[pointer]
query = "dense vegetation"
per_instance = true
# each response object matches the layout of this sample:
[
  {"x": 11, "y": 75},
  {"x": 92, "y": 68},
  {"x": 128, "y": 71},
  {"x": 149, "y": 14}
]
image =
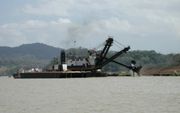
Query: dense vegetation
[
  {"x": 26, "y": 56},
  {"x": 148, "y": 59},
  {"x": 40, "y": 55}
]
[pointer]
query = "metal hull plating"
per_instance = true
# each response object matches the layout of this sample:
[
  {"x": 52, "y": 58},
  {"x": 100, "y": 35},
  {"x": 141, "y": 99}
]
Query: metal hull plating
[{"x": 59, "y": 74}]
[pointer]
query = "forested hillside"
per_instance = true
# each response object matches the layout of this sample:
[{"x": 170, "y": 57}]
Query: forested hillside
[
  {"x": 41, "y": 55},
  {"x": 26, "y": 56}
]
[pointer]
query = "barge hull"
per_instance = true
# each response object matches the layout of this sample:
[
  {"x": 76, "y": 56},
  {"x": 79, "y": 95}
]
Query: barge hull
[{"x": 59, "y": 75}]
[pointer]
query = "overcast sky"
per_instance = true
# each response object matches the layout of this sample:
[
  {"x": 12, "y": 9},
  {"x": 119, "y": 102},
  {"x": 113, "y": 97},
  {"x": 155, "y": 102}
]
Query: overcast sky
[{"x": 142, "y": 24}]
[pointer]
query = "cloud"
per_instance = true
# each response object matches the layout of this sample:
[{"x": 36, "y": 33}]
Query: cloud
[
  {"x": 89, "y": 22},
  {"x": 142, "y": 14},
  {"x": 10, "y": 36},
  {"x": 50, "y": 8},
  {"x": 32, "y": 31},
  {"x": 64, "y": 31}
]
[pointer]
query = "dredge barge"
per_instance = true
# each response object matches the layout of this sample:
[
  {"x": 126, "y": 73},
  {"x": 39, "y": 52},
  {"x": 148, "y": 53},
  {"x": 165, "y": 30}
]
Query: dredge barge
[{"x": 84, "y": 67}]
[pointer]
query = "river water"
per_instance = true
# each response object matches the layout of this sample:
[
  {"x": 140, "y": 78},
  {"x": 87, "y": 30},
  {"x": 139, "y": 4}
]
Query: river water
[{"x": 90, "y": 95}]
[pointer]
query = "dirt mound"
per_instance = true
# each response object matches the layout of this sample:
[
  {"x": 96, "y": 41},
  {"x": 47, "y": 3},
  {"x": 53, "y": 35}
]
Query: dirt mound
[{"x": 161, "y": 71}]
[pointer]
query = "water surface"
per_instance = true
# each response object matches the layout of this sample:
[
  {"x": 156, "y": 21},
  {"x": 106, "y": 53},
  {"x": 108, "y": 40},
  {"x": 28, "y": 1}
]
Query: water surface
[{"x": 91, "y": 95}]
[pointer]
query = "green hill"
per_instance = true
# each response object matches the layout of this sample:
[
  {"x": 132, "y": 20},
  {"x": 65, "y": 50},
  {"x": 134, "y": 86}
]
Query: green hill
[
  {"x": 40, "y": 55},
  {"x": 26, "y": 55}
]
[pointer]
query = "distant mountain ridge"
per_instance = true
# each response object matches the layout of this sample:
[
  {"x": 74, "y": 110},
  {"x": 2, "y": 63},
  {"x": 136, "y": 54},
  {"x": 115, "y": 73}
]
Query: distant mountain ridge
[{"x": 38, "y": 50}]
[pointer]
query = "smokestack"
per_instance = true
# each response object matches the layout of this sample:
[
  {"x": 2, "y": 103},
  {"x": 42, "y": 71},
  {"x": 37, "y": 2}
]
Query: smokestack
[{"x": 62, "y": 57}]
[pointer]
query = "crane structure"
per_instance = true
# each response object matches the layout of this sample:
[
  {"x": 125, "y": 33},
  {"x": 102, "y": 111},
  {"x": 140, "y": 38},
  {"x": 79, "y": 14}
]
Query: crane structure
[{"x": 102, "y": 59}]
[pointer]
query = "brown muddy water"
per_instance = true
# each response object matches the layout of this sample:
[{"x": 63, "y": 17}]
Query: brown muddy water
[{"x": 90, "y": 95}]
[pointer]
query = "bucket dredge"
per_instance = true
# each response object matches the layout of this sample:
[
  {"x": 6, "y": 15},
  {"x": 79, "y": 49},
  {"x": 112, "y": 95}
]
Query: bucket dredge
[{"x": 81, "y": 67}]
